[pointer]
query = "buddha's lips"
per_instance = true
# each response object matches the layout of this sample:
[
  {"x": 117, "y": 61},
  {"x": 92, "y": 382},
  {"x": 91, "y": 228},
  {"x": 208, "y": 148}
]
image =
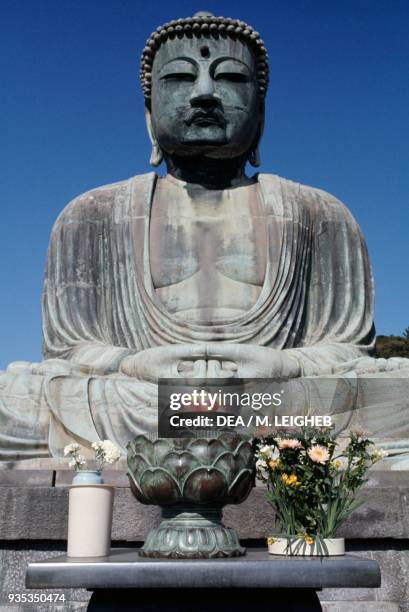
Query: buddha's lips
[{"x": 205, "y": 118}]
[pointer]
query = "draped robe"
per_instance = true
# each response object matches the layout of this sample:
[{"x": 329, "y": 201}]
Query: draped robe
[{"x": 100, "y": 305}]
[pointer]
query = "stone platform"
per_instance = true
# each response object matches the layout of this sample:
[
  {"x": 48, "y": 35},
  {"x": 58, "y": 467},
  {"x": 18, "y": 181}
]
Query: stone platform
[
  {"x": 33, "y": 526},
  {"x": 294, "y": 580}
]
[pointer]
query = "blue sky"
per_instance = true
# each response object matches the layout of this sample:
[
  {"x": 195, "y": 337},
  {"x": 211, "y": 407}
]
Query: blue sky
[{"x": 72, "y": 118}]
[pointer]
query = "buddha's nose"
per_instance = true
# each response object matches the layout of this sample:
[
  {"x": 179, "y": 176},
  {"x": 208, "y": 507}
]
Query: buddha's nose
[{"x": 203, "y": 93}]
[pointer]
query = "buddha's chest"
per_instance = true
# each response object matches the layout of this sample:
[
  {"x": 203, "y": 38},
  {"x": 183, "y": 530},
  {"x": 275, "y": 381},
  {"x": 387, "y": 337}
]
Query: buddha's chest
[
  {"x": 180, "y": 248},
  {"x": 208, "y": 252},
  {"x": 218, "y": 234}
]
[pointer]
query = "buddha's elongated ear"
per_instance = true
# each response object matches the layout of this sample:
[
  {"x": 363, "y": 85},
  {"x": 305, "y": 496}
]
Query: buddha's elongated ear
[
  {"x": 254, "y": 153},
  {"x": 157, "y": 154},
  {"x": 254, "y": 157}
]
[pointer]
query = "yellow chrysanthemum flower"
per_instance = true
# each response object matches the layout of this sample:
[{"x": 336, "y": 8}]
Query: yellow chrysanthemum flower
[{"x": 289, "y": 480}]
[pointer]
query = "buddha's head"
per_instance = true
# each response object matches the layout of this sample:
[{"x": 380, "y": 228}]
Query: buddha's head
[{"x": 204, "y": 81}]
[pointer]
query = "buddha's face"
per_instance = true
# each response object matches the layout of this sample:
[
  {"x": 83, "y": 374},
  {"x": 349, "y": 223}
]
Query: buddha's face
[{"x": 205, "y": 97}]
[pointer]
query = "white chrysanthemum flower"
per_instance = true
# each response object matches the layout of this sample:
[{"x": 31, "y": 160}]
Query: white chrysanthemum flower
[
  {"x": 267, "y": 450},
  {"x": 261, "y": 467},
  {"x": 291, "y": 443},
  {"x": 106, "y": 452},
  {"x": 111, "y": 452},
  {"x": 318, "y": 454},
  {"x": 107, "y": 445},
  {"x": 338, "y": 464},
  {"x": 71, "y": 449},
  {"x": 113, "y": 456},
  {"x": 378, "y": 454}
]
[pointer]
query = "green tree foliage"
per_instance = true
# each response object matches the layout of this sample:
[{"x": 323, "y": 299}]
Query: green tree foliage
[{"x": 392, "y": 346}]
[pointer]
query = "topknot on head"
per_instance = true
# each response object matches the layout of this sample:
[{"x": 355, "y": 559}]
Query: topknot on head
[{"x": 203, "y": 14}]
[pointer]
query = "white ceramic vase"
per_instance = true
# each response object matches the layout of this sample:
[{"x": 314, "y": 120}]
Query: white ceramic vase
[
  {"x": 90, "y": 520},
  {"x": 281, "y": 546}
]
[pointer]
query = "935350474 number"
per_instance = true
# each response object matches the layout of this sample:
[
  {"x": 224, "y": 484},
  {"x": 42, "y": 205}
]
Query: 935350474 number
[{"x": 36, "y": 597}]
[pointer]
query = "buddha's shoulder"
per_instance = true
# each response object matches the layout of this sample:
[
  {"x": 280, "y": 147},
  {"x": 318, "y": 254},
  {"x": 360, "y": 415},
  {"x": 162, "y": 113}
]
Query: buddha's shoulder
[
  {"x": 315, "y": 200},
  {"x": 98, "y": 203}
]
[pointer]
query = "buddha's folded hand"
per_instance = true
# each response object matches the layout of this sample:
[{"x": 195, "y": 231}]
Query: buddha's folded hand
[
  {"x": 212, "y": 360},
  {"x": 165, "y": 362},
  {"x": 252, "y": 361}
]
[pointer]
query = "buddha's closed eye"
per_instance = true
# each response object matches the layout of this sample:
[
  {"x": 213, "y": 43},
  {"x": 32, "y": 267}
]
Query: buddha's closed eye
[
  {"x": 233, "y": 77},
  {"x": 179, "y": 76}
]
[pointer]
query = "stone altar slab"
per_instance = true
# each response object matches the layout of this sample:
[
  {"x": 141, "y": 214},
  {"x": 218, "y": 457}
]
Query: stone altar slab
[{"x": 124, "y": 569}]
